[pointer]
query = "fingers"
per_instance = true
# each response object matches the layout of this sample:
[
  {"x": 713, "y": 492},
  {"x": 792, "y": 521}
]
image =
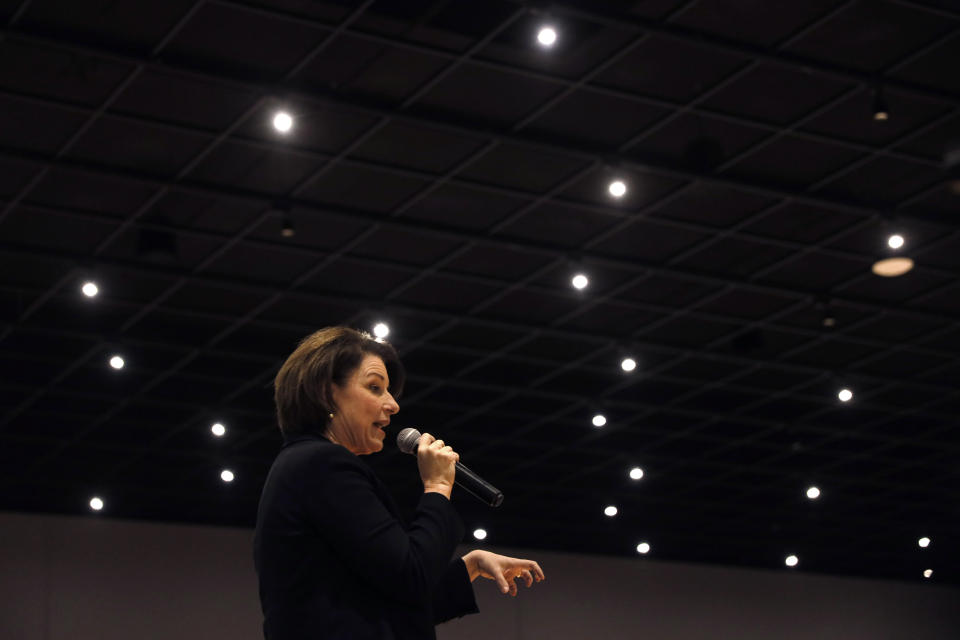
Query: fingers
[
  {"x": 428, "y": 441},
  {"x": 444, "y": 448},
  {"x": 489, "y": 567},
  {"x": 507, "y": 571},
  {"x": 527, "y": 576},
  {"x": 531, "y": 568},
  {"x": 536, "y": 571},
  {"x": 447, "y": 451},
  {"x": 528, "y": 571}
]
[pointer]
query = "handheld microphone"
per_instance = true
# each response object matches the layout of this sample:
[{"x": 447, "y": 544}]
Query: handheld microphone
[{"x": 473, "y": 484}]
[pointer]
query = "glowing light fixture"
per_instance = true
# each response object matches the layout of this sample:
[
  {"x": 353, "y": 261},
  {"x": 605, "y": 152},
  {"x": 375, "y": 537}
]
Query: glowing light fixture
[
  {"x": 845, "y": 395},
  {"x": 381, "y": 330},
  {"x": 924, "y": 542},
  {"x": 892, "y": 267},
  {"x": 547, "y": 36},
  {"x": 881, "y": 112},
  {"x": 96, "y": 503},
  {"x": 610, "y": 511},
  {"x": 579, "y": 281},
  {"x": 599, "y": 420},
  {"x": 90, "y": 289},
  {"x": 617, "y": 188},
  {"x": 628, "y": 364},
  {"x": 792, "y": 561},
  {"x": 480, "y": 534},
  {"x": 636, "y": 473},
  {"x": 286, "y": 228},
  {"x": 226, "y": 475},
  {"x": 643, "y": 547},
  {"x": 895, "y": 241},
  {"x": 282, "y": 122},
  {"x": 218, "y": 429},
  {"x": 116, "y": 362},
  {"x": 813, "y": 493}
]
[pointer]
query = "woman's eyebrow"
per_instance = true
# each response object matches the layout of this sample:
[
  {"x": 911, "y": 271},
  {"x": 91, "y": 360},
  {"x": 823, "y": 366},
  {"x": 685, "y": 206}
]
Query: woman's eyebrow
[{"x": 374, "y": 373}]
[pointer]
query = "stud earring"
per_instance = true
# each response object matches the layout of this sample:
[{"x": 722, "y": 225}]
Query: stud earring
[{"x": 331, "y": 415}]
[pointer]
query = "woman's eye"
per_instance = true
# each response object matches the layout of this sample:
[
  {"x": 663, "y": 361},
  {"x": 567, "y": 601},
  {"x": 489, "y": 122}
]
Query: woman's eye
[{"x": 375, "y": 387}]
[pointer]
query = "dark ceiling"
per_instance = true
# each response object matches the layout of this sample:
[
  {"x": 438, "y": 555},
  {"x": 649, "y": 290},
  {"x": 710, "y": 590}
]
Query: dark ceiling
[{"x": 448, "y": 175}]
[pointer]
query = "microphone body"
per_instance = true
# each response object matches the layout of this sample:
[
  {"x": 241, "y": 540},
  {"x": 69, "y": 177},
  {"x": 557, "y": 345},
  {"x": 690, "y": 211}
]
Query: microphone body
[
  {"x": 480, "y": 488},
  {"x": 465, "y": 478}
]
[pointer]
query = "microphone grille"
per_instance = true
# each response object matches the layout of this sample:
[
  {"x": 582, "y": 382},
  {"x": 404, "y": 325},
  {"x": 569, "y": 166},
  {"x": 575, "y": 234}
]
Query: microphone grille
[{"x": 407, "y": 440}]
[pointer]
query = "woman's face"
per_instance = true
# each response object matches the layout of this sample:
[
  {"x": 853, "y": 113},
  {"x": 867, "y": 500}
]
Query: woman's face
[{"x": 364, "y": 407}]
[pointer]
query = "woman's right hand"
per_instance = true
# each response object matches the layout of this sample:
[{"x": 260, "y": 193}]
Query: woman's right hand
[{"x": 437, "y": 464}]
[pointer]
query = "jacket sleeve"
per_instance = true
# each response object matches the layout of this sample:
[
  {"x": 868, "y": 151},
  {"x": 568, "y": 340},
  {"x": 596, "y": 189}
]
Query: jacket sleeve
[
  {"x": 341, "y": 502},
  {"x": 453, "y": 597}
]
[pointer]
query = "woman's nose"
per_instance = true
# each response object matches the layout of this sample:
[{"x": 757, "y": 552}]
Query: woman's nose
[{"x": 391, "y": 406}]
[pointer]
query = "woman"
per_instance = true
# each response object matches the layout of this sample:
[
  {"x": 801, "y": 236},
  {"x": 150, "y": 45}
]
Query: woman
[{"x": 333, "y": 559}]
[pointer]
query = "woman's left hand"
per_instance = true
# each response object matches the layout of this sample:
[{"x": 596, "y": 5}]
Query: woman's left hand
[{"x": 503, "y": 569}]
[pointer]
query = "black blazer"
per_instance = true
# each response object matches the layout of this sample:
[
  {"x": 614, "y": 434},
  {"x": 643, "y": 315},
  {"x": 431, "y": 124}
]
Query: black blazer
[{"x": 334, "y": 560}]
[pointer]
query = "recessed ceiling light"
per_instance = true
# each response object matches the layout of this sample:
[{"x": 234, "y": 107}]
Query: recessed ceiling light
[
  {"x": 96, "y": 504},
  {"x": 792, "y": 561},
  {"x": 599, "y": 420},
  {"x": 892, "y": 267},
  {"x": 282, "y": 122},
  {"x": 924, "y": 542},
  {"x": 90, "y": 289},
  {"x": 579, "y": 281},
  {"x": 286, "y": 227},
  {"x": 116, "y": 362},
  {"x": 636, "y": 473},
  {"x": 928, "y": 573},
  {"x": 813, "y": 493},
  {"x": 480, "y": 534},
  {"x": 881, "y": 112},
  {"x": 628, "y": 364},
  {"x": 617, "y": 188},
  {"x": 610, "y": 511},
  {"x": 226, "y": 475},
  {"x": 381, "y": 330},
  {"x": 895, "y": 241},
  {"x": 218, "y": 429},
  {"x": 643, "y": 547},
  {"x": 547, "y": 36},
  {"x": 845, "y": 395}
]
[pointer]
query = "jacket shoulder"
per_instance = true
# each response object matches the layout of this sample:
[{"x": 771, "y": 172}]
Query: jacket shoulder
[
  {"x": 317, "y": 458},
  {"x": 317, "y": 452}
]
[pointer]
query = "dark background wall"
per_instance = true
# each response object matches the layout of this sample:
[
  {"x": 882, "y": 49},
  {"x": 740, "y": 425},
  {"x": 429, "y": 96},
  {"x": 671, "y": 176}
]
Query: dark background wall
[{"x": 93, "y": 578}]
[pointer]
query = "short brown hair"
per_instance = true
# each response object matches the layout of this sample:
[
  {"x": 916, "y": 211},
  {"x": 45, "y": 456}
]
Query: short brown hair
[{"x": 303, "y": 388}]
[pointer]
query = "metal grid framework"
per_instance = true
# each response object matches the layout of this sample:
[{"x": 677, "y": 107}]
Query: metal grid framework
[{"x": 448, "y": 176}]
